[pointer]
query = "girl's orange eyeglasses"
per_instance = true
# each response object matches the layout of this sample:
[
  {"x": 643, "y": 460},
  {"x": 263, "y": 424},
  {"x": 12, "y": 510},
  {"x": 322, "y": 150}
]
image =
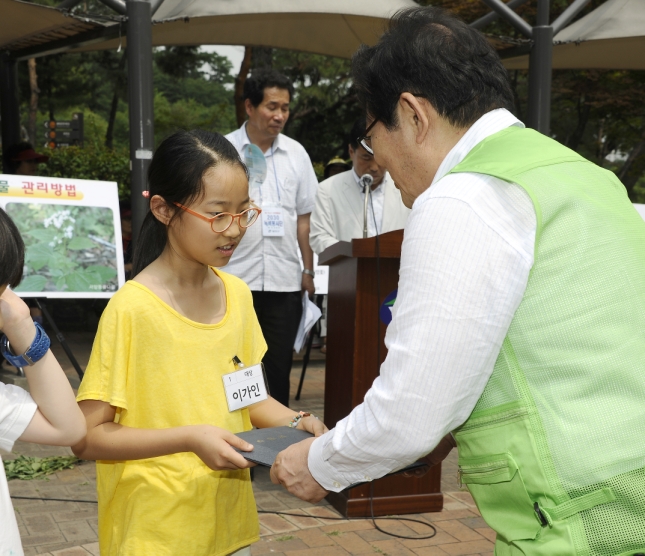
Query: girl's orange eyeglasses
[{"x": 222, "y": 222}]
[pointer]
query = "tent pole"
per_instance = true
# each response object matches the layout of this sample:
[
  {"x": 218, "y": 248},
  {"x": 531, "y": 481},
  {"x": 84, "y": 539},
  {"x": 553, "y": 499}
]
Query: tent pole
[
  {"x": 141, "y": 108},
  {"x": 540, "y": 71},
  {"x": 9, "y": 105}
]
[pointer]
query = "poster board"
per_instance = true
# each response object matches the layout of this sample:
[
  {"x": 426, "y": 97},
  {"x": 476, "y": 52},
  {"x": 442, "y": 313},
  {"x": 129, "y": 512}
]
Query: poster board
[{"x": 72, "y": 234}]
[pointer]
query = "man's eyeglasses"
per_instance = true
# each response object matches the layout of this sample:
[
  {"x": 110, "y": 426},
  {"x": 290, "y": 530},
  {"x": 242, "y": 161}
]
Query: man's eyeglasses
[
  {"x": 222, "y": 222},
  {"x": 366, "y": 140}
]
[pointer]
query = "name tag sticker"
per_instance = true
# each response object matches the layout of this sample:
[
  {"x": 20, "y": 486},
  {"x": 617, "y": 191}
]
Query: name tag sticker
[
  {"x": 272, "y": 221},
  {"x": 245, "y": 387}
]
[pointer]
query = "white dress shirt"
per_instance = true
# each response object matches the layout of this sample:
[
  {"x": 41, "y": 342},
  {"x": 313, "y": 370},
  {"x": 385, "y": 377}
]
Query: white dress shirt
[
  {"x": 465, "y": 261},
  {"x": 375, "y": 204},
  {"x": 271, "y": 263},
  {"x": 338, "y": 214},
  {"x": 17, "y": 409}
]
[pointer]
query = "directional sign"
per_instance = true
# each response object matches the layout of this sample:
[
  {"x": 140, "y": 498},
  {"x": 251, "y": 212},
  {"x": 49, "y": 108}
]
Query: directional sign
[{"x": 64, "y": 133}]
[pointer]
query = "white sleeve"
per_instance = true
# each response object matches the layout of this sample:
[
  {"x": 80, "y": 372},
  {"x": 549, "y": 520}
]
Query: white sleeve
[
  {"x": 462, "y": 278},
  {"x": 307, "y": 186},
  {"x": 322, "y": 233},
  {"x": 17, "y": 409}
]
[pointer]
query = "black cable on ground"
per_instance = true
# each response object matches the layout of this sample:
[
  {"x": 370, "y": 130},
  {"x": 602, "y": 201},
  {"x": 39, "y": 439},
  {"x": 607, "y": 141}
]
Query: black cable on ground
[{"x": 391, "y": 518}]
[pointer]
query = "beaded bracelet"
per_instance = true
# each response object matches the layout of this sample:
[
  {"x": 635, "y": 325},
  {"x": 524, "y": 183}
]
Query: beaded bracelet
[{"x": 294, "y": 422}]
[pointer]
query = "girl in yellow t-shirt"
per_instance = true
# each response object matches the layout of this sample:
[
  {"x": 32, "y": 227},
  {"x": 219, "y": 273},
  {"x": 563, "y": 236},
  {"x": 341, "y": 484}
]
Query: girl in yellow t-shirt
[{"x": 158, "y": 424}]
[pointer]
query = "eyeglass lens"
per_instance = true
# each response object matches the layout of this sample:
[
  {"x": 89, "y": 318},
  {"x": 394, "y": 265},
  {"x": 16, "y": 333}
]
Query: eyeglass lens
[{"x": 222, "y": 222}]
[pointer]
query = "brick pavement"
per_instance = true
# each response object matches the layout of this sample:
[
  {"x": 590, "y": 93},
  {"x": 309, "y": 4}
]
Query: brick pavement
[{"x": 70, "y": 528}]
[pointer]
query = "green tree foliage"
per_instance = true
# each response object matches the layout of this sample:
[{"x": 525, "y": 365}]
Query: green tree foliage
[
  {"x": 92, "y": 162},
  {"x": 192, "y": 90},
  {"x": 324, "y": 106}
]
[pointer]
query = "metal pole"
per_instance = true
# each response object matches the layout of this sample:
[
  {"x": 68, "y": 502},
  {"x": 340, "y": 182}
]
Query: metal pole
[
  {"x": 540, "y": 71},
  {"x": 140, "y": 91},
  {"x": 9, "y": 105}
]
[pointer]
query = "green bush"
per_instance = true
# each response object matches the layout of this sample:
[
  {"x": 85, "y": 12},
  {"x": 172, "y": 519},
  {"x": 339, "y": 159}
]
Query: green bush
[{"x": 91, "y": 163}]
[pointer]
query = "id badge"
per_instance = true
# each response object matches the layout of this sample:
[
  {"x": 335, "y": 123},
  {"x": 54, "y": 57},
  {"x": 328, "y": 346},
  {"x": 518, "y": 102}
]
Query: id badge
[
  {"x": 245, "y": 387},
  {"x": 272, "y": 221}
]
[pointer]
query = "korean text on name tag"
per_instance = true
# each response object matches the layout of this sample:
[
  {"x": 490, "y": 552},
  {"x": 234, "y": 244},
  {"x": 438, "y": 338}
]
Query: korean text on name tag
[{"x": 245, "y": 387}]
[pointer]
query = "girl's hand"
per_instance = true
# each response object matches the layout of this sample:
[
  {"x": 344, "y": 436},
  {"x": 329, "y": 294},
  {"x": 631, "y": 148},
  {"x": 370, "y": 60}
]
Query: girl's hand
[
  {"x": 213, "y": 446},
  {"x": 14, "y": 313},
  {"x": 312, "y": 425}
]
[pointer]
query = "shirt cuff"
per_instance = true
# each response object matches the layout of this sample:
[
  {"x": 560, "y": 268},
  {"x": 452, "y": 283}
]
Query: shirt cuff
[
  {"x": 326, "y": 476},
  {"x": 21, "y": 416}
]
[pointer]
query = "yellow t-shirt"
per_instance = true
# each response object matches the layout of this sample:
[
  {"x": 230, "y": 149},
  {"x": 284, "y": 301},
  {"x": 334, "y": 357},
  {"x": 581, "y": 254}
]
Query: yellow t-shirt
[{"x": 163, "y": 370}]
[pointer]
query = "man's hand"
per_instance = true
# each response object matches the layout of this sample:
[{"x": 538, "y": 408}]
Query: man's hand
[
  {"x": 290, "y": 470},
  {"x": 308, "y": 285}
]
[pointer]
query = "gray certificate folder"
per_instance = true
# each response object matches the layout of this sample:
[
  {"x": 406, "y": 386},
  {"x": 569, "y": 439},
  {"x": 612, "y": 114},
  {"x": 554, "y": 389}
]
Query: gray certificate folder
[{"x": 268, "y": 443}]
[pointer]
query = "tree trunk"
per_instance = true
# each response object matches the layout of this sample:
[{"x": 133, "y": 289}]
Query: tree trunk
[
  {"x": 240, "y": 111},
  {"x": 33, "y": 101},
  {"x": 262, "y": 57},
  {"x": 118, "y": 83}
]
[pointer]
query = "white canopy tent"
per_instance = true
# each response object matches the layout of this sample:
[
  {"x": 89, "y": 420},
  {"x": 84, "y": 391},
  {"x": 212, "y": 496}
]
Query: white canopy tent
[
  {"x": 332, "y": 27},
  {"x": 610, "y": 37},
  {"x": 26, "y": 24}
]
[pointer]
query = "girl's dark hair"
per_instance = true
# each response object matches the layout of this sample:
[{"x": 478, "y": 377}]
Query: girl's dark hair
[
  {"x": 12, "y": 252},
  {"x": 176, "y": 173}
]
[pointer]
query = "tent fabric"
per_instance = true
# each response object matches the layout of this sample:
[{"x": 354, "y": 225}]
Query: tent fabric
[
  {"x": 24, "y": 24},
  {"x": 333, "y": 27},
  {"x": 610, "y": 37}
]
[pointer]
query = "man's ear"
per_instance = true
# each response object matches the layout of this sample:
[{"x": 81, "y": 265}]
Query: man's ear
[
  {"x": 161, "y": 210},
  {"x": 418, "y": 113},
  {"x": 248, "y": 107},
  {"x": 350, "y": 150}
]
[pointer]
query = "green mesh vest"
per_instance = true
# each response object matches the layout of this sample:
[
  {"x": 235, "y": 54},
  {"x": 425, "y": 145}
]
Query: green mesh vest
[{"x": 554, "y": 451}]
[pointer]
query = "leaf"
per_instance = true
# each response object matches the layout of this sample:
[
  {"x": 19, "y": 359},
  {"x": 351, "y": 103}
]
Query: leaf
[
  {"x": 78, "y": 282},
  {"x": 105, "y": 272},
  {"x": 33, "y": 283},
  {"x": 79, "y": 243},
  {"x": 37, "y": 256},
  {"x": 27, "y": 468},
  {"x": 42, "y": 234},
  {"x": 61, "y": 283}
]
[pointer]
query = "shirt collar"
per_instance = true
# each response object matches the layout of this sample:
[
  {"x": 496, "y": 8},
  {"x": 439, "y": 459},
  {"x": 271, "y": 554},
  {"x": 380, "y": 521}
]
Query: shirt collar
[
  {"x": 277, "y": 142},
  {"x": 489, "y": 124}
]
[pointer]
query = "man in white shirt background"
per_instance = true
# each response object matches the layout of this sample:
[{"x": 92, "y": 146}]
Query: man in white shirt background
[
  {"x": 517, "y": 322},
  {"x": 339, "y": 212},
  {"x": 267, "y": 260}
]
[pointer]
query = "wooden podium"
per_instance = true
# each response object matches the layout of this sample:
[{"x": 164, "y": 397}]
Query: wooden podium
[{"x": 354, "y": 330}]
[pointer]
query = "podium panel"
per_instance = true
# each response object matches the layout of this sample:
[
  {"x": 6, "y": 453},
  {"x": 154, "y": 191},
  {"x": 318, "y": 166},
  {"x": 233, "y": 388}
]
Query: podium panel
[{"x": 359, "y": 282}]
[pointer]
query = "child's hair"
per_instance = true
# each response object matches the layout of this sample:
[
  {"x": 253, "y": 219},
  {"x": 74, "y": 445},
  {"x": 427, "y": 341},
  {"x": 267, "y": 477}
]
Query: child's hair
[
  {"x": 176, "y": 173},
  {"x": 12, "y": 252}
]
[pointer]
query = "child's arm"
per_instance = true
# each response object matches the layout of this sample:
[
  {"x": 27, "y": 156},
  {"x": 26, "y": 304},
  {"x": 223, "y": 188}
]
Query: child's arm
[
  {"x": 58, "y": 420},
  {"x": 271, "y": 413},
  {"x": 107, "y": 440}
]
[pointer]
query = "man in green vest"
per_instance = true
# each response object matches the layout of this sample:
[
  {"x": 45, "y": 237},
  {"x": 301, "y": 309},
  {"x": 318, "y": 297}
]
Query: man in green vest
[{"x": 520, "y": 317}]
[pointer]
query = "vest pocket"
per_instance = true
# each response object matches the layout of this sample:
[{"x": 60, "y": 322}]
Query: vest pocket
[{"x": 497, "y": 487}]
